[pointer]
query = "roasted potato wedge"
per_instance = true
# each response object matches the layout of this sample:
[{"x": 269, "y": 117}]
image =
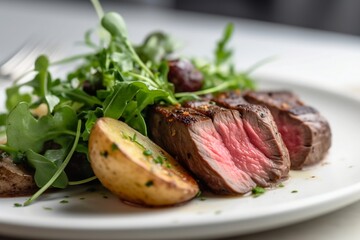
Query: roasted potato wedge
[{"x": 134, "y": 168}]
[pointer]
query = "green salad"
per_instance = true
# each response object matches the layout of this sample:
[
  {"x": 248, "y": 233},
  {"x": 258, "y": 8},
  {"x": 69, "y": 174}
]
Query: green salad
[{"x": 117, "y": 79}]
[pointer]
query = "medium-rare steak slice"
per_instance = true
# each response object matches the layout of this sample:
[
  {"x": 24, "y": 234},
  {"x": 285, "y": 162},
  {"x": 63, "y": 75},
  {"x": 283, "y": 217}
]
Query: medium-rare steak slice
[
  {"x": 305, "y": 132},
  {"x": 252, "y": 139},
  {"x": 261, "y": 132},
  {"x": 192, "y": 138}
]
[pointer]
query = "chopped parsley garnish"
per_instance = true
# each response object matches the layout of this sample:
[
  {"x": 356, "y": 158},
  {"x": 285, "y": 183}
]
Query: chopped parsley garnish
[
  {"x": 159, "y": 160},
  {"x": 149, "y": 183},
  {"x": 167, "y": 164},
  {"x": 64, "y": 201},
  {"x": 105, "y": 153},
  {"x": 18, "y": 205},
  {"x": 294, "y": 191},
  {"x": 147, "y": 152},
  {"x": 257, "y": 191},
  {"x": 198, "y": 194},
  {"x": 114, "y": 147}
]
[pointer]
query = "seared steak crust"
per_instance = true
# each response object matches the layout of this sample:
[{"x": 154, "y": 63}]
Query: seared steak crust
[
  {"x": 15, "y": 180},
  {"x": 306, "y": 133},
  {"x": 192, "y": 139}
]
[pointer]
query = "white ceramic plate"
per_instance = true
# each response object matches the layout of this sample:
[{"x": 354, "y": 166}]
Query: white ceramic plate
[{"x": 98, "y": 215}]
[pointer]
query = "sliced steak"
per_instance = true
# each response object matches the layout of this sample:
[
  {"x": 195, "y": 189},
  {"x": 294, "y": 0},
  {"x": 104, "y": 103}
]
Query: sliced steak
[
  {"x": 259, "y": 142},
  {"x": 306, "y": 133},
  {"x": 192, "y": 138},
  {"x": 251, "y": 138},
  {"x": 15, "y": 180}
]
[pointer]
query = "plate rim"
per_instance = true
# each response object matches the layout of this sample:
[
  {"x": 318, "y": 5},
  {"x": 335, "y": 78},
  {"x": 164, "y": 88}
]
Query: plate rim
[{"x": 350, "y": 193}]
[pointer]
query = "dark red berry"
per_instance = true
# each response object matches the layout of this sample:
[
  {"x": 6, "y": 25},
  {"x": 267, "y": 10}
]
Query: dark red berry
[{"x": 184, "y": 76}]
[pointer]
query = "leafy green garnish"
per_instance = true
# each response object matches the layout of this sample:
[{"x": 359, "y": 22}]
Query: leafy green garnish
[
  {"x": 157, "y": 47},
  {"x": 25, "y": 132},
  {"x": 220, "y": 74},
  {"x": 116, "y": 80},
  {"x": 60, "y": 169},
  {"x": 45, "y": 169}
]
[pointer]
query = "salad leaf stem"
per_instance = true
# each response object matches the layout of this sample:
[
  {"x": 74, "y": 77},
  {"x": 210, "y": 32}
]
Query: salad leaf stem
[
  {"x": 60, "y": 169},
  {"x": 7, "y": 149},
  {"x": 259, "y": 64},
  {"x": 141, "y": 77},
  {"x": 98, "y": 8},
  {"x": 71, "y": 59},
  {"x": 73, "y": 183},
  {"x": 218, "y": 88}
]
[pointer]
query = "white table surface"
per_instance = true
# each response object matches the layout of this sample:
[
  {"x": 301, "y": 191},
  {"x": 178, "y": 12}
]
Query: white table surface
[{"x": 323, "y": 59}]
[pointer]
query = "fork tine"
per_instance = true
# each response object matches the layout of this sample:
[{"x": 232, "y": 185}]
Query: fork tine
[
  {"x": 27, "y": 62},
  {"x": 5, "y": 68},
  {"x": 23, "y": 60}
]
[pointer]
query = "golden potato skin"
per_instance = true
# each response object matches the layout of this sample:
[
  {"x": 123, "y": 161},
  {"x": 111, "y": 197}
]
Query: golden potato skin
[{"x": 119, "y": 162}]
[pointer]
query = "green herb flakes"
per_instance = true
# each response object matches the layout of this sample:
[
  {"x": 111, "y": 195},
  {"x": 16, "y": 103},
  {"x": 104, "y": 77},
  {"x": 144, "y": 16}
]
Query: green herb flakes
[
  {"x": 149, "y": 183},
  {"x": 114, "y": 147},
  {"x": 105, "y": 154},
  {"x": 257, "y": 191},
  {"x": 147, "y": 152},
  {"x": 159, "y": 160}
]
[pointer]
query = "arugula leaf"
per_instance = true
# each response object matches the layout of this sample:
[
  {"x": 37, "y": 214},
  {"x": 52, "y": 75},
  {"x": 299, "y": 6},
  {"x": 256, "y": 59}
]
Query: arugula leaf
[
  {"x": 45, "y": 168},
  {"x": 220, "y": 75},
  {"x": 3, "y": 117},
  {"x": 60, "y": 169},
  {"x": 41, "y": 63},
  {"x": 115, "y": 104},
  {"x": 13, "y": 97},
  {"x": 42, "y": 81},
  {"x": 157, "y": 47},
  {"x": 91, "y": 117},
  {"x": 221, "y": 53},
  {"x": 77, "y": 95},
  {"x": 146, "y": 96},
  {"x": 134, "y": 118},
  {"x": 124, "y": 62},
  {"x": 25, "y": 132}
]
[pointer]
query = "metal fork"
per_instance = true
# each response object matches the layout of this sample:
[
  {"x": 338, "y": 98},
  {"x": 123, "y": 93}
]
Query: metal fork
[{"x": 24, "y": 58}]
